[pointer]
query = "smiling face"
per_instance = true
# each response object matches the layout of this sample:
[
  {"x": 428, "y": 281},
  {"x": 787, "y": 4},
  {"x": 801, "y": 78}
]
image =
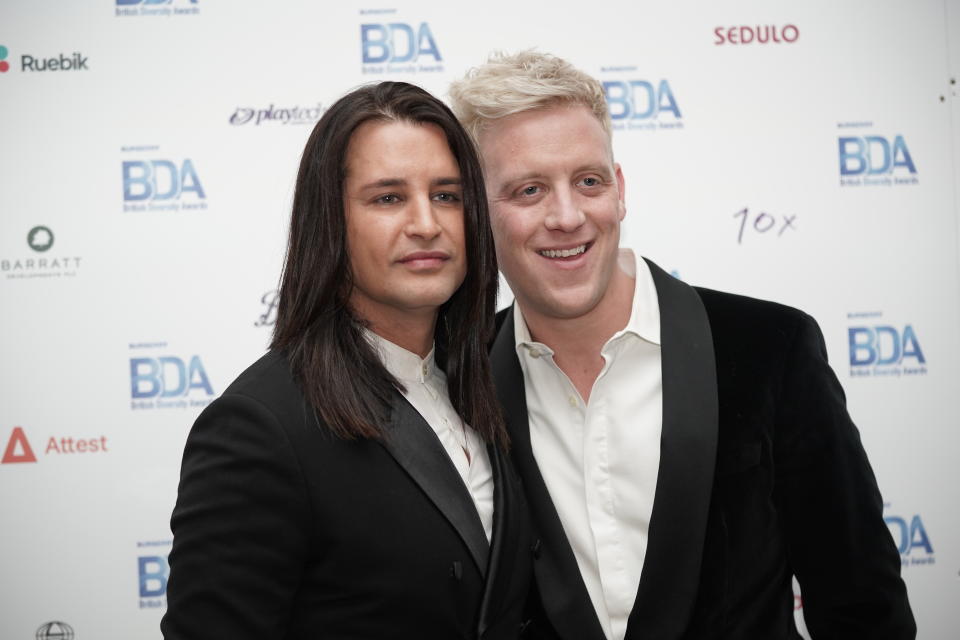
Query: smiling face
[
  {"x": 404, "y": 216},
  {"x": 556, "y": 202}
]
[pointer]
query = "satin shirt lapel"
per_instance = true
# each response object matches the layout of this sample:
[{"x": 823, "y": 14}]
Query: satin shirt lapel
[
  {"x": 565, "y": 597},
  {"x": 416, "y": 448},
  {"x": 688, "y": 449}
]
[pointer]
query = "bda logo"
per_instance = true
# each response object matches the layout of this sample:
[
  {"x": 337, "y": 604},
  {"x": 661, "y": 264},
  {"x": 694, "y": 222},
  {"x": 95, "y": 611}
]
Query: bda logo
[
  {"x": 167, "y": 377},
  {"x": 874, "y": 160},
  {"x": 883, "y": 345},
  {"x": 634, "y": 104},
  {"x": 159, "y": 180},
  {"x": 397, "y": 42}
]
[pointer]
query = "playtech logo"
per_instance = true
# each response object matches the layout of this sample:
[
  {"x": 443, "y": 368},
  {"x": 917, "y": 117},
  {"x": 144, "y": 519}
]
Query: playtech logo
[
  {"x": 268, "y": 315},
  {"x": 276, "y": 115}
]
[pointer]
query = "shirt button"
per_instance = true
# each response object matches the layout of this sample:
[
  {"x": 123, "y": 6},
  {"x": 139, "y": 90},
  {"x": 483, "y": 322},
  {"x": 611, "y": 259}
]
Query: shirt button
[
  {"x": 534, "y": 353},
  {"x": 573, "y": 401}
]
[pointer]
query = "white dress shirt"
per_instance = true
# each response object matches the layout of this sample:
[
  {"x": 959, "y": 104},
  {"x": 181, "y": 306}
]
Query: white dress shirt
[
  {"x": 426, "y": 390},
  {"x": 599, "y": 461}
]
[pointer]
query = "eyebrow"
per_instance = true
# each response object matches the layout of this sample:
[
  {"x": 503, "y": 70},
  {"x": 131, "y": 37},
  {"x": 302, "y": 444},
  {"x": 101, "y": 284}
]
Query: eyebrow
[{"x": 400, "y": 182}]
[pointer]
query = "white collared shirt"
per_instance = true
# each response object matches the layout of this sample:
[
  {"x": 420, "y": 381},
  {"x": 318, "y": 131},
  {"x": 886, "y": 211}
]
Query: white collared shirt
[
  {"x": 599, "y": 461},
  {"x": 426, "y": 390}
]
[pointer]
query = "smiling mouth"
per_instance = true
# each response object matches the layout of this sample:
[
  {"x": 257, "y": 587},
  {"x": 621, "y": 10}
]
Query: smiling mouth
[{"x": 572, "y": 252}]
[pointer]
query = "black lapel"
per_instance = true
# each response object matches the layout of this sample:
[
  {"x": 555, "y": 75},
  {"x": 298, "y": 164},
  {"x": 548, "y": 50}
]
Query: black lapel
[
  {"x": 507, "y": 529},
  {"x": 688, "y": 449},
  {"x": 564, "y": 595},
  {"x": 415, "y": 446}
]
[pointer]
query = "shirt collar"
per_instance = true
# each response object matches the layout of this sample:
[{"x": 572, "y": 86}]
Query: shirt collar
[
  {"x": 644, "y": 313},
  {"x": 402, "y": 364}
]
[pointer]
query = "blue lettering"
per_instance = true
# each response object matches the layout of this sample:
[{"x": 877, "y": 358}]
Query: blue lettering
[
  {"x": 666, "y": 101},
  {"x": 379, "y": 44},
  {"x": 137, "y": 180},
  {"x": 197, "y": 371},
  {"x": 172, "y": 178},
  {"x": 857, "y": 156},
  {"x": 189, "y": 180},
  {"x": 911, "y": 346},
  {"x": 426, "y": 44},
  {"x": 139, "y": 377},
  {"x": 153, "y": 572},
  {"x": 871, "y": 142},
  {"x": 918, "y": 535},
  {"x": 618, "y": 99},
  {"x": 181, "y": 373},
  {"x": 894, "y": 356},
  {"x": 411, "y": 45},
  {"x": 858, "y": 345},
  {"x": 903, "y": 540},
  {"x": 901, "y": 156}
]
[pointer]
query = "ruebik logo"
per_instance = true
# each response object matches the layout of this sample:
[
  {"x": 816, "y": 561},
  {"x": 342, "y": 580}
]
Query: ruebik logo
[
  {"x": 55, "y": 630},
  {"x": 18, "y": 448},
  {"x": 40, "y": 238}
]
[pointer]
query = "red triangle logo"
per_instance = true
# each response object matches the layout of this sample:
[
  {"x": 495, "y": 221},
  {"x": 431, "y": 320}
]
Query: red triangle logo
[{"x": 11, "y": 454}]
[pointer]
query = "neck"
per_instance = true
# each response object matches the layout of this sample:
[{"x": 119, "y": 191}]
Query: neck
[
  {"x": 413, "y": 334},
  {"x": 577, "y": 342}
]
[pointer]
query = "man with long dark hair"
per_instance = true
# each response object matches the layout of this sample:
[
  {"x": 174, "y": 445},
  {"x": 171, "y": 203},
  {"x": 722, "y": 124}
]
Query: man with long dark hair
[{"x": 352, "y": 482}]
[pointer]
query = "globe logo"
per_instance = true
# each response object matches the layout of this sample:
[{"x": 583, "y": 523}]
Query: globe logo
[
  {"x": 55, "y": 631},
  {"x": 40, "y": 238}
]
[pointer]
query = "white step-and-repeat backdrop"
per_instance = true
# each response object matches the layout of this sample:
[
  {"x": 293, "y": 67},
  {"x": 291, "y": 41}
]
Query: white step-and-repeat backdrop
[{"x": 804, "y": 152}]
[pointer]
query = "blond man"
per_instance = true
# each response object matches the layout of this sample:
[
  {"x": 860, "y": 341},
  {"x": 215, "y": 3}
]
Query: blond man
[{"x": 685, "y": 452}]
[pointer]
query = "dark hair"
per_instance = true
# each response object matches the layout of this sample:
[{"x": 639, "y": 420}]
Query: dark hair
[{"x": 340, "y": 372}]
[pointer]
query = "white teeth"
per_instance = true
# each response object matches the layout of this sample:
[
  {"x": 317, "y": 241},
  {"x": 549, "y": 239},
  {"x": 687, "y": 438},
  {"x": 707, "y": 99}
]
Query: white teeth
[{"x": 563, "y": 253}]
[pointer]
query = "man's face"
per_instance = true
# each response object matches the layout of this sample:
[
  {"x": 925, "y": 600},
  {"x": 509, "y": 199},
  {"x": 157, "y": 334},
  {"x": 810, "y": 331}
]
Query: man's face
[
  {"x": 556, "y": 202},
  {"x": 404, "y": 212}
]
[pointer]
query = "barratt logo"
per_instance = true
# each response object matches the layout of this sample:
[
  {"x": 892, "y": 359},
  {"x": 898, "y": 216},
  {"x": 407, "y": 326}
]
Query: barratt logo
[{"x": 40, "y": 238}]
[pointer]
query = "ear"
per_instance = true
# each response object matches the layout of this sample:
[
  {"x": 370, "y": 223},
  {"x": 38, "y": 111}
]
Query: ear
[{"x": 621, "y": 190}]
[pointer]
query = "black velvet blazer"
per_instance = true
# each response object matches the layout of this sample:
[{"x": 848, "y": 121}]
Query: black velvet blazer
[
  {"x": 282, "y": 530},
  {"x": 762, "y": 477}
]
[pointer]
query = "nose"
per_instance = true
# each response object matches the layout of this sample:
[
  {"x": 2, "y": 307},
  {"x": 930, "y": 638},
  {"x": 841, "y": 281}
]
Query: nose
[
  {"x": 422, "y": 219},
  {"x": 565, "y": 213}
]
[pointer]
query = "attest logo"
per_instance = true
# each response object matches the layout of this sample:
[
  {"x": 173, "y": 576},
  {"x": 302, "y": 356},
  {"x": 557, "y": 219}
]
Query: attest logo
[
  {"x": 399, "y": 47},
  {"x": 162, "y": 185},
  {"x": 40, "y": 240},
  {"x": 875, "y": 160},
  {"x": 641, "y": 104},
  {"x": 760, "y": 34},
  {"x": 156, "y": 7},
  {"x": 911, "y": 539},
  {"x": 269, "y": 316},
  {"x": 152, "y": 573},
  {"x": 4, "y": 65},
  {"x": 18, "y": 447},
  {"x": 273, "y": 115},
  {"x": 884, "y": 349},
  {"x": 55, "y": 631}
]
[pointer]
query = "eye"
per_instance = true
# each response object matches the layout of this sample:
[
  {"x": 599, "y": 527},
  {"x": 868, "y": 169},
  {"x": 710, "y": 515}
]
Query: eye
[
  {"x": 529, "y": 191},
  {"x": 590, "y": 181},
  {"x": 447, "y": 197},
  {"x": 388, "y": 198}
]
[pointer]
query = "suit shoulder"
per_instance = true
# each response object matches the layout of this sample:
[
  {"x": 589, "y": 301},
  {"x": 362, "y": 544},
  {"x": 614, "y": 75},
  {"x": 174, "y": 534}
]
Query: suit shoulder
[
  {"x": 757, "y": 321},
  {"x": 269, "y": 381}
]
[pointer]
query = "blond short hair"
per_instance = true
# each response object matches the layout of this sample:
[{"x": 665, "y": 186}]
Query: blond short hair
[{"x": 513, "y": 83}]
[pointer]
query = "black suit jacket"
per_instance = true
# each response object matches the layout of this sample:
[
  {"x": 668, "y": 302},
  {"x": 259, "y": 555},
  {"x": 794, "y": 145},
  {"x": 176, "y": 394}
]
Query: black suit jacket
[
  {"x": 762, "y": 476},
  {"x": 282, "y": 530}
]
